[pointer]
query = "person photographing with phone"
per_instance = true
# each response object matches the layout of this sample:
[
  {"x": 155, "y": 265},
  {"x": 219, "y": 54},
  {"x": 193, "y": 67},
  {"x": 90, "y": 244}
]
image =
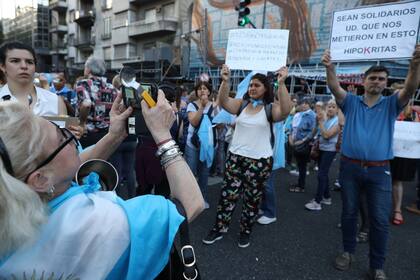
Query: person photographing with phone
[{"x": 52, "y": 226}]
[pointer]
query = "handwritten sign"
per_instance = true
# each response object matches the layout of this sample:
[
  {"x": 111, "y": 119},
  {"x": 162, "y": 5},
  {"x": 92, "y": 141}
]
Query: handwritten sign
[
  {"x": 379, "y": 32},
  {"x": 257, "y": 49},
  {"x": 407, "y": 139}
]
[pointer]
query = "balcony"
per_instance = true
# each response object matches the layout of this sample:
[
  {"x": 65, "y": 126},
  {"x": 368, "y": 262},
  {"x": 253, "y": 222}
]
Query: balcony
[
  {"x": 59, "y": 28},
  {"x": 158, "y": 28},
  {"x": 58, "y": 48},
  {"x": 155, "y": 54},
  {"x": 85, "y": 44},
  {"x": 58, "y": 5},
  {"x": 140, "y": 2},
  {"x": 85, "y": 17}
]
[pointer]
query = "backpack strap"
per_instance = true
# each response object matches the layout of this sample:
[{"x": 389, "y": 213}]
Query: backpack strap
[
  {"x": 187, "y": 251},
  {"x": 243, "y": 105}
]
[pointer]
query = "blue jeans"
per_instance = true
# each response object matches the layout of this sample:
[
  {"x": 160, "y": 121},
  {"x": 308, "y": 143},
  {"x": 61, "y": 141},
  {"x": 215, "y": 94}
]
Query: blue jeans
[
  {"x": 325, "y": 160},
  {"x": 268, "y": 204},
  {"x": 199, "y": 168},
  {"x": 124, "y": 161},
  {"x": 376, "y": 181}
]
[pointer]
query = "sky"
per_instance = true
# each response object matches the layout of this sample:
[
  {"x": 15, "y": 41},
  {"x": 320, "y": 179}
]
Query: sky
[{"x": 7, "y": 7}]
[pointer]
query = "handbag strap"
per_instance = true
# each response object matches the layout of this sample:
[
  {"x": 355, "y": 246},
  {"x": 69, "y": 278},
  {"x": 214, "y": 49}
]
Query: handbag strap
[{"x": 189, "y": 262}]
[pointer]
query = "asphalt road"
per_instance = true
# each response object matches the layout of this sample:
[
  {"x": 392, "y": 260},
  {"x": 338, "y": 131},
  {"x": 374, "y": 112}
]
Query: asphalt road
[{"x": 301, "y": 244}]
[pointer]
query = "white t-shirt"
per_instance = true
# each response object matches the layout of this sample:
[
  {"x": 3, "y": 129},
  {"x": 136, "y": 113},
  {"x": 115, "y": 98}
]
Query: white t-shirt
[
  {"x": 252, "y": 136},
  {"x": 191, "y": 108},
  {"x": 46, "y": 103}
]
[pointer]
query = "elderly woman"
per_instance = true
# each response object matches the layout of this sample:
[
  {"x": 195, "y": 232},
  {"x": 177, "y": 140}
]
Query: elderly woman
[
  {"x": 18, "y": 62},
  {"x": 250, "y": 158},
  {"x": 49, "y": 225}
]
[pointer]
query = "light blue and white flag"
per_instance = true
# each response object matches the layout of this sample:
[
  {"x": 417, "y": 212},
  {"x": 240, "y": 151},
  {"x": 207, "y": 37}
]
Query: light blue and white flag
[{"x": 95, "y": 235}]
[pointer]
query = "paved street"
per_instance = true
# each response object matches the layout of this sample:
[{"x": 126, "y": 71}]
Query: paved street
[{"x": 301, "y": 244}]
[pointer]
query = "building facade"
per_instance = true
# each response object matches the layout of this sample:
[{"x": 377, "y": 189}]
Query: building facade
[
  {"x": 30, "y": 26},
  {"x": 144, "y": 34}
]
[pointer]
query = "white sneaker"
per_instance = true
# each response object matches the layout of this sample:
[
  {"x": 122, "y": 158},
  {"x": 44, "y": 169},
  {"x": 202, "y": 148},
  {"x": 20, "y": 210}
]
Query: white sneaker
[
  {"x": 294, "y": 172},
  {"x": 206, "y": 205},
  {"x": 307, "y": 172},
  {"x": 337, "y": 184},
  {"x": 263, "y": 220},
  {"x": 315, "y": 168},
  {"x": 313, "y": 205},
  {"x": 326, "y": 201}
]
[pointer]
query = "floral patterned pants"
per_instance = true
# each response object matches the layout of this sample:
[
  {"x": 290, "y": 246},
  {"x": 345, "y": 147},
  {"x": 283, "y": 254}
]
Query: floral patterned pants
[{"x": 244, "y": 177}]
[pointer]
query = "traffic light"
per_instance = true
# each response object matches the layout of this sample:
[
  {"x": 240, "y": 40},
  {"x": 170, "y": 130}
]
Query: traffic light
[{"x": 243, "y": 12}]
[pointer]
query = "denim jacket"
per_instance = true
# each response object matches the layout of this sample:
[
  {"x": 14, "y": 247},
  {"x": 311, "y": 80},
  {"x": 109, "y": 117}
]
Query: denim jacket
[{"x": 305, "y": 125}]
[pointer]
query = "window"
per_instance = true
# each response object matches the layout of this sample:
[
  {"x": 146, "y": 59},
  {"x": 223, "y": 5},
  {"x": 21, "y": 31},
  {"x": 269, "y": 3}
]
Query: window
[
  {"x": 107, "y": 53},
  {"x": 106, "y": 4},
  {"x": 121, "y": 19},
  {"x": 169, "y": 10},
  {"x": 71, "y": 16},
  {"x": 150, "y": 15},
  {"x": 120, "y": 51},
  {"x": 107, "y": 28}
]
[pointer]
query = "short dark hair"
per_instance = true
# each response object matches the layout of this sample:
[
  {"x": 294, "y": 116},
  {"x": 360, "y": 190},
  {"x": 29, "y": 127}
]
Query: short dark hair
[
  {"x": 203, "y": 83},
  {"x": 14, "y": 45},
  {"x": 268, "y": 94},
  {"x": 377, "y": 68}
]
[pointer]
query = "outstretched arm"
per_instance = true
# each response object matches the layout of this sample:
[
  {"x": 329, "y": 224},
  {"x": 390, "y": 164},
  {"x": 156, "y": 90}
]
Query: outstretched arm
[
  {"x": 332, "y": 80},
  {"x": 283, "y": 105},
  {"x": 413, "y": 79}
]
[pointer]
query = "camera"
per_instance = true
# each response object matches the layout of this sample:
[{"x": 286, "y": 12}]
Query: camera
[{"x": 133, "y": 93}]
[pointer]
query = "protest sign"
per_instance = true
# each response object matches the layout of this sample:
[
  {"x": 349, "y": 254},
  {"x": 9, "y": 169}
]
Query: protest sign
[
  {"x": 375, "y": 32},
  {"x": 257, "y": 49},
  {"x": 407, "y": 139}
]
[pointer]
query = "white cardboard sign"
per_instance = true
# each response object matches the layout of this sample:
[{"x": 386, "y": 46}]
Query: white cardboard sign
[
  {"x": 373, "y": 33},
  {"x": 406, "y": 142},
  {"x": 257, "y": 49}
]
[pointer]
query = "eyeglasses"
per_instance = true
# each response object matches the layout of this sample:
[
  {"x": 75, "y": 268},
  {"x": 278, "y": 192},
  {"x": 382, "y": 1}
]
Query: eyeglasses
[
  {"x": 69, "y": 137},
  {"x": 5, "y": 158},
  {"x": 374, "y": 78}
]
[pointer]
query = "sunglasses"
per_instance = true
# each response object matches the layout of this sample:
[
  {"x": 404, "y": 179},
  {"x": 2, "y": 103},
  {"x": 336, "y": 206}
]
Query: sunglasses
[
  {"x": 374, "y": 78},
  {"x": 69, "y": 138}
]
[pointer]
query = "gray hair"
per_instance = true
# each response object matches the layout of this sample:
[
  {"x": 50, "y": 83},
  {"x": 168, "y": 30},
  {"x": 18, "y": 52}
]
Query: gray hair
[
  {"x": 96, "y": 65},
  {"x": 22, "y": 212}
]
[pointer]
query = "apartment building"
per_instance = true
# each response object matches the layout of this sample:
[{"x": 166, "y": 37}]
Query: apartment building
[
  {"x": 30, "y": 26},
  {"x": 144, "y": 34},
  {"x": 58, "y": 35}
]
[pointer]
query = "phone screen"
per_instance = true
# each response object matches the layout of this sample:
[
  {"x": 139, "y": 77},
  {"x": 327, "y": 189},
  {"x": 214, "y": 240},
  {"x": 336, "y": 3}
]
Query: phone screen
[{"x": 129, "y": 93}]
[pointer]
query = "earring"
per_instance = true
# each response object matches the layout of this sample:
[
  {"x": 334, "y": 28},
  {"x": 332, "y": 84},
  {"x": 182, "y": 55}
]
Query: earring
[{"x": 50, "y": 191}]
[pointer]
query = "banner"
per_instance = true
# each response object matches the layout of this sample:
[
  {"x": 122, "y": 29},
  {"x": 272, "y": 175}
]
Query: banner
[
  {"x": 257, "y": 49},
  {"x": 407, "y": 139},
  {"x": 374, "y": 33}
]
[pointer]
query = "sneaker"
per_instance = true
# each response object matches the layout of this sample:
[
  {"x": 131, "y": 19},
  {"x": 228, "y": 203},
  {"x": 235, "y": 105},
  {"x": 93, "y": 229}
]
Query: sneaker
[
  {"x": 313, "y": 205},
  {"x": 206, "y": 205},
  {"x": 263, "y": 220},
  {"x": 326, "y": 201},
  {"x": 243, "y": 240},
  {"x": 294, "y": 172},
  {"x": 212, "y": 237},
  {"x": 343, "y": 261},
  {"x": 307, "y": 173},
  {"x": 376, "y": 274},
  {"x": 316, "y": 168},
  {"x": 362, "y": 237}
]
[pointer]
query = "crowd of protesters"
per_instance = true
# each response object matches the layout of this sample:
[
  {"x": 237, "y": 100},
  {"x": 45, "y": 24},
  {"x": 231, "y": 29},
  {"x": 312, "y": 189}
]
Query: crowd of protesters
[{"x": 309, "y": 132}]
